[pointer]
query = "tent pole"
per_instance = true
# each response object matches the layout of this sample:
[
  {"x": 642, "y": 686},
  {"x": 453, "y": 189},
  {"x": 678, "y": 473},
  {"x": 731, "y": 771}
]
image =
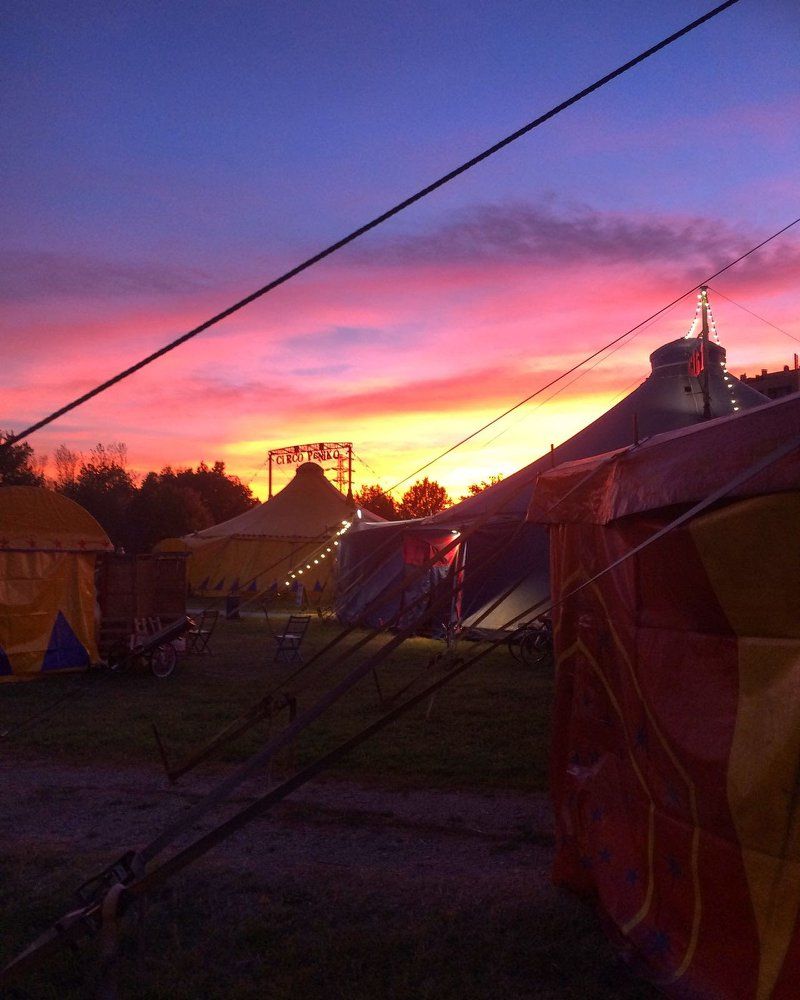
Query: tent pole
[{"x": 706, "y": 358}]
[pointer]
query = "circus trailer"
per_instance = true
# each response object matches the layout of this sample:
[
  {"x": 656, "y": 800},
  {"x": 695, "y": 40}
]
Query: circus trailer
[
  {"x": 676, "y": 731},
  {"x": 139, "y": 593}
]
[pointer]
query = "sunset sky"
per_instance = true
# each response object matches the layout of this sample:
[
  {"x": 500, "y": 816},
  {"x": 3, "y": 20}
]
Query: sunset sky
[{"x": 161, "y": 161}]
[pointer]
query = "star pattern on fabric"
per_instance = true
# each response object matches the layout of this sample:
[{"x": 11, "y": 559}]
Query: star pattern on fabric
[
  {"x": 659, "y": 943},
  {"x": 674, "y": 866}
]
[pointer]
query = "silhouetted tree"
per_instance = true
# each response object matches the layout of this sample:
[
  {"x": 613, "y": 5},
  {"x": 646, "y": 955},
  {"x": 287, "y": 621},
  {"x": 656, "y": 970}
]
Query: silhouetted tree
[
  {"x": 18, "y": 464},
  {"x": 164, "y": 507},
  {"x": 475, "y": 488},
  {"x": 425, "y": 497},
  {"x": 224, "y": 496},
  {"x": 67, "y": 463},
  {"x": 373, "y": 498},
  {"x": 105, "y": 487}
]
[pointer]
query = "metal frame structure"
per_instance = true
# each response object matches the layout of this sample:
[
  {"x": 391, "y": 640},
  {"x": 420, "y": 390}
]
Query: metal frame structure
[{"x": 324, "y": 451}]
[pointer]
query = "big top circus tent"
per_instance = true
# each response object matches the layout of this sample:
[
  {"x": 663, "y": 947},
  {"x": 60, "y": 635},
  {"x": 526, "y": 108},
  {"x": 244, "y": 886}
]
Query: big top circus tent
[
  {"x": 294, "y": 532},
  {"x": 504, "y": 561}
]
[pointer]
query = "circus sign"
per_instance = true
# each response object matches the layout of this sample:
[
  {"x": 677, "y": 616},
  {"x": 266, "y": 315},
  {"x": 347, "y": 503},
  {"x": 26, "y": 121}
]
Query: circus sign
[
  {"x": 340, "y": 453},
  {"x": 307, "y": 454}
]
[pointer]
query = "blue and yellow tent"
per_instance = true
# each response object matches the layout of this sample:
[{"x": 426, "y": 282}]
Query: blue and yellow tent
[{"x": 48, "y": 549}]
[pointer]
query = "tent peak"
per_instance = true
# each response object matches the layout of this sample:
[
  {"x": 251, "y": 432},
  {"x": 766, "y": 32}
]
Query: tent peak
[
  {"x": 672, "y": 358},
  {"x": 309, "y": 469}
]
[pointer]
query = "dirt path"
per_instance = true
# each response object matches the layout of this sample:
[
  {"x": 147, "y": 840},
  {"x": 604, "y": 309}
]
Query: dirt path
[{"x": 484, "y": 844}]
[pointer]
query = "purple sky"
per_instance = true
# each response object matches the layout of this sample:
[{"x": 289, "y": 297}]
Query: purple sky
[{"x": 162, "y": 160}]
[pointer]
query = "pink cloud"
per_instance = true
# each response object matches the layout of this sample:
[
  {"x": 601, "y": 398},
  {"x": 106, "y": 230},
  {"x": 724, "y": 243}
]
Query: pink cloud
[{"x": 402, "y": 352}]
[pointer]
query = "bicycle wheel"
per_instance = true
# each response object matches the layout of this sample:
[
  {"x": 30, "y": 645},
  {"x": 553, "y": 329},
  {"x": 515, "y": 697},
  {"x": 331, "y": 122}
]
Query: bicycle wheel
[
  {"x": 536, "y": 649},
  {"x": 163, "y": 660},
  {"x": 514, "y": 643}
]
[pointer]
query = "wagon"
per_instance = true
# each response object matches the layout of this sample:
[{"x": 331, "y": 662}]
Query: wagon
[{"x": 142, "y": 603}]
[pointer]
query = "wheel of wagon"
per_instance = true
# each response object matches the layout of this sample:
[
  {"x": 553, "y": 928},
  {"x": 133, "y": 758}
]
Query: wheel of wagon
[{"x": 163, "y": 660}]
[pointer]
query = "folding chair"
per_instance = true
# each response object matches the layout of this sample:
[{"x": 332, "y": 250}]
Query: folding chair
[
  {"x": 289, "y": 641},
  {"x": 197, "y": 638}
]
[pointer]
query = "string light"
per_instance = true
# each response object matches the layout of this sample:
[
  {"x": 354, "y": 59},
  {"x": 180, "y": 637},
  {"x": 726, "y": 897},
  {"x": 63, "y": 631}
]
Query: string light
[{"x": 328, "y": 549}]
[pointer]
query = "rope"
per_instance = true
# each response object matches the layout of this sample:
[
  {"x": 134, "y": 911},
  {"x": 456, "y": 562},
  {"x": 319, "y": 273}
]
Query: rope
[
  {"x": 594, "y": 354},
  {"x": 739, "y": 305},
  {"x": 72, "y": 925},
  {"x": 373, "y": 223}
]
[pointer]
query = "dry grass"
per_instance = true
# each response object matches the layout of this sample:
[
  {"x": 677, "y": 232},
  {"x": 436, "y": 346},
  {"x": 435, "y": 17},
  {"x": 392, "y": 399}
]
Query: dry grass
[{"x": 217, "y": 933}]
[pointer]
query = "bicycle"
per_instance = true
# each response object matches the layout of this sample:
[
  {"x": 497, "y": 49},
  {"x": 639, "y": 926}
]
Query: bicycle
[{"x": 532, "y": 643}]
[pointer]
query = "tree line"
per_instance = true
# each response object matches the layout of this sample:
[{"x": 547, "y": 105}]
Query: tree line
[
  {"x": 135, "y": 515},
  {"x": 176, "y": 502},
  {"x": 424, "y": 498}
]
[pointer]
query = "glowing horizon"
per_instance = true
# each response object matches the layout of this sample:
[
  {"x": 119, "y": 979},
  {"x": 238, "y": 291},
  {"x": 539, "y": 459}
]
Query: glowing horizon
[{"x": 136, "y": 214}]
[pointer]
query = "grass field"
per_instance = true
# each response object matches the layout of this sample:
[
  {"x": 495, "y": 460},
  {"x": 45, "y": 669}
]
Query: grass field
[
  {"x": 487, "y": 729},
  {"x": 218, "y": 933}
]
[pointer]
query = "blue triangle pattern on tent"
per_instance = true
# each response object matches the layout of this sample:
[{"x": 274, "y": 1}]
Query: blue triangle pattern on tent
[
  {"x": 317, "y": 586},
  {"x": 204, "y": 584},
  {"x": 64, "y": 648},
  {"x": 234, "y": 586},
  {"x": 253, "y": 586},
  {"x": 220, "y": 585},
  {"x": 5, "y": 663}
]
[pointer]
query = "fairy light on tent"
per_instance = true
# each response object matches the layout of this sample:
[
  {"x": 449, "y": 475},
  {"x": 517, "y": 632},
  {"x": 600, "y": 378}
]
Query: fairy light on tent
[
  {"x": 695, "y": 321},
  {"x": 319, "y": 554},
  {"x": 711, "y": 320}
]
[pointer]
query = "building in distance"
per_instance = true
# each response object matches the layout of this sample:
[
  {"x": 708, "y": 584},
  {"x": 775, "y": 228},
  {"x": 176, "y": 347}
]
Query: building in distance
[{"x": 776, "y": 384}]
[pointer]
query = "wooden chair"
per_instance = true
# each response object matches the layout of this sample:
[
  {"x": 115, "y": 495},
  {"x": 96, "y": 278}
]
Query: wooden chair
[
  {"x": 198, "y": 638},
  {"x": 289, "y": 641}
]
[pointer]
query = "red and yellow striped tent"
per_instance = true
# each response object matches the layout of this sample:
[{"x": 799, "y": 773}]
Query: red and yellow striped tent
[
  {"x": 48, "y": 548},
  {"x": 676, "y": 758}
]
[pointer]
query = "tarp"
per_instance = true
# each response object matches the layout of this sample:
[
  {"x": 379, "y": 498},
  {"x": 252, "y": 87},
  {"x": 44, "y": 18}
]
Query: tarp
[
  {"x": 48, "y": 547},
  {"x": 676, "y": 746},
  {"x": 507, "y": 554},
  {"x": 293, "y": 532},
  {"x": 399, "y": 597}
]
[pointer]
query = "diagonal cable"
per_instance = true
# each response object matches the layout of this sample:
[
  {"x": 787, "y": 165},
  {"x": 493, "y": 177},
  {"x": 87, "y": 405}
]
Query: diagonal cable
[{"x": 372, "y": 224}]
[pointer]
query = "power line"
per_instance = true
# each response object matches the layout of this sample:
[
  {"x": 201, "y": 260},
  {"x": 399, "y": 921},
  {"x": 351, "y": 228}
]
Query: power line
[
  {"x": 594, "y": 354},
  {"x": 377, "y": 221},
  {"x": 774, "y": 326}
]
